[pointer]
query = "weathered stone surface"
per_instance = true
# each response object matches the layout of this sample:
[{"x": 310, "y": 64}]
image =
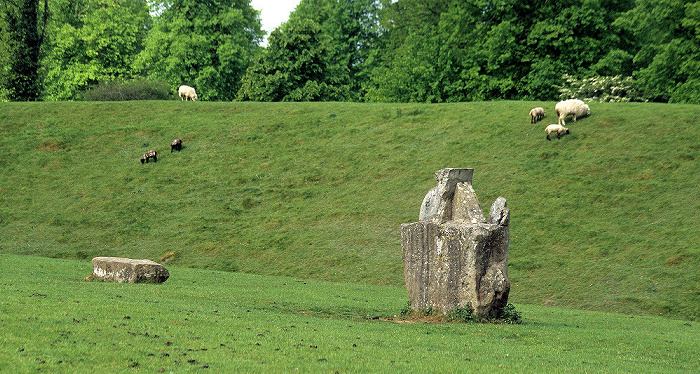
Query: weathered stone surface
[
  {"x": 437, "y": 204},
  {"x": 499, "y": 213},
  {"x": 117, "y": 269},
  {"x": 454, "y": 257},
  {"x": 465, "y": 205}
]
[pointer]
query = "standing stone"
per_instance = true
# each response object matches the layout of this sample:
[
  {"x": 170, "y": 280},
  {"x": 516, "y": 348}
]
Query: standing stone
[
  {"x": 454, "y": 257},
  {"x": 117, "y": 269}
]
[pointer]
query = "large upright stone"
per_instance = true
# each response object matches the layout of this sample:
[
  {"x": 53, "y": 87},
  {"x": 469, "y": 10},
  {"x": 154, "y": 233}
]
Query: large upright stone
[
  {"x": 454, "y": 257},
  {"x": 117, "y": 269}
]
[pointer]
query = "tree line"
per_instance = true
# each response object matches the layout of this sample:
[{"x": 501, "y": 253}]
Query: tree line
[{"x": 356, "y": 50}]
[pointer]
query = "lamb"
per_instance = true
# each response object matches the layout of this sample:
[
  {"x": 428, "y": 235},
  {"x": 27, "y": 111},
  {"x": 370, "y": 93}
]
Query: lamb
[
  {"x": 559, "y": 129},
  {"x": 536, "y": 114},
  {"x": 187, "y": 92},
  {"x": 573, "y": 107},
  {"x": 150, "y": 154},
  {"x": 176, "y": 144}
]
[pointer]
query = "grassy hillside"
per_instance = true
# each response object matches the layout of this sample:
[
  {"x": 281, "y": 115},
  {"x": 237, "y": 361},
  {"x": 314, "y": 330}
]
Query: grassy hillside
[
  {"x": 603, "y": 219},
  {"x": 241, "y": 323}
]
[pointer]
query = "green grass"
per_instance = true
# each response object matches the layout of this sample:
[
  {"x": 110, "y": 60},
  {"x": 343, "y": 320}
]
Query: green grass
[
  {"x": 604, "y": 219},
  {"x": 54, "y": 321}
]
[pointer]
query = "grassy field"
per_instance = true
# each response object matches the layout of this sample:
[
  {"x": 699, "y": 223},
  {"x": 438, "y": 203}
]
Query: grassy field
[
  {"x": 604, "y": 219},
  {"x": 204, "y": 320}
]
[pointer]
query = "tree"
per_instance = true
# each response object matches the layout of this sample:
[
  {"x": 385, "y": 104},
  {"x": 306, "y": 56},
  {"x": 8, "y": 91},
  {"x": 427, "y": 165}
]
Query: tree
[
  {"x": 354, "y": 31},
  {"x": 93, "y": 41},
  {"x": 25, "y": 27},
  {"x": 296, "y": 67},
  {"x": 411, "y": 75},
  {"x": 5, "y": 53},
  {"x": 455, "y": 50},
  {"x": 665, "y": 37},
  {"x": 204, "y": 44},
  {"x": 413, "y": 54}
]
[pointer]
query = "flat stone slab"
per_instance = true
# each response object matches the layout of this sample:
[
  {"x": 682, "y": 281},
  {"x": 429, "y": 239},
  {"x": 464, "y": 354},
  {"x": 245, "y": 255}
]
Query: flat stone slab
[{"x": 118, "y": 269}]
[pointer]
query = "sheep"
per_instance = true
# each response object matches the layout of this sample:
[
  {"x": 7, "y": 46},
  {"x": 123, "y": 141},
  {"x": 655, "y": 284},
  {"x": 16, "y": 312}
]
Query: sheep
[
  {"x": 176, "y": 144},
  {"x": 536, "y": 114},
  {"x": 559, "y": 129},
  {"x": 573, "y": 107},
  {"x": 187, "y": 92},
  {"x": 150, "y": 154}
]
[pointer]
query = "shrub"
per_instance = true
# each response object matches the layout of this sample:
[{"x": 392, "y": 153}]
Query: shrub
[
  {"x": 510, "y": 315},
  {"x": 466, "y": 314},
  {"x": 688, "y": 92},
  {"x": 4, "y": 95},
  {"x": 136, "y": 89},
  {"x": 600, "y": 88},
  {"x": 407, "y": 310}
]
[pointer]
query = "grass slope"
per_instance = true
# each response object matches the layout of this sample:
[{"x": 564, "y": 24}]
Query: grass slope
[
  {"x": 603, "y": 219},
  {"x": 203, "y": 320}
]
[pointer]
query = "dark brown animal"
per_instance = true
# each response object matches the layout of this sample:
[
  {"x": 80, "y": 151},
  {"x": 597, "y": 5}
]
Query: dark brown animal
[
  {"x": 176, "y": 144},
  {"x": 148, "y": 155}
]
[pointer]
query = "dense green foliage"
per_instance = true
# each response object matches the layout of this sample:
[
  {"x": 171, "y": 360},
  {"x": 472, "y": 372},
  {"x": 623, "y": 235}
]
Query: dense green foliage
[
  {"x": 355, "y": 36},
  {"x": 296, "y": 68},
  {"x": 602, "y": 219},
  {"x": 23, "y": 32},
  {"x": 92, "y": 41},
  {"x": 358, "y": 50},
  {"x": 206, "y": 45},
  {"x": 322, "y": 53},
  {"x": 664, "y": 36},
  {"x": 209, "y": 321},
  {"x": 136, "y": 89},
  {"x": 447, "y": 51}
]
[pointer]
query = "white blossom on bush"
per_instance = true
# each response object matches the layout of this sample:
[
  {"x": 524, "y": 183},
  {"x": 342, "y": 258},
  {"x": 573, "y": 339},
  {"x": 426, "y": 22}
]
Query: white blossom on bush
[{"x": 600, "y": 88}]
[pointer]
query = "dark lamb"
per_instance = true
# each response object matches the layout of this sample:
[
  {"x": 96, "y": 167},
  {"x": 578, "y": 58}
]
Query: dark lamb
[
  {"x": 148, "y": 155},
  {"x": 176, "y": 144}
]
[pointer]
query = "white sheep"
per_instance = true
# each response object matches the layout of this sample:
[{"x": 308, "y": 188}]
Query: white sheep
[
  {"x": 559, "y": 129},
  {"x": 573, "y": 107},
  {"x": 187, "y": 92},
  {"x": 536, "y": 114}
]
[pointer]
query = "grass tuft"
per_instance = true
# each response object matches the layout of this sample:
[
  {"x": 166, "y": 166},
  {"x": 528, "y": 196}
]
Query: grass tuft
[{"x": 509, "y": 315}]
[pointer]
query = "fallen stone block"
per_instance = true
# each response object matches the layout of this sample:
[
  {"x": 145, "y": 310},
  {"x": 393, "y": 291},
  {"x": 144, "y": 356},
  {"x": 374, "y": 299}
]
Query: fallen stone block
[{"x": 118, "y": 269}]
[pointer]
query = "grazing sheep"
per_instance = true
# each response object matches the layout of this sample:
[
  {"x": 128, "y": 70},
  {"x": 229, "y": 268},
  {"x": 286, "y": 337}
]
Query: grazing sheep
[
  {"x": 150, "y": 154},
  {"x": 559, "y": 129},
  {"x": 536, "y": 114},
  {"x": 187, "y": 92},
  {"x": 573, "y": 107},
  {"x": 176, "y": 144}
]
